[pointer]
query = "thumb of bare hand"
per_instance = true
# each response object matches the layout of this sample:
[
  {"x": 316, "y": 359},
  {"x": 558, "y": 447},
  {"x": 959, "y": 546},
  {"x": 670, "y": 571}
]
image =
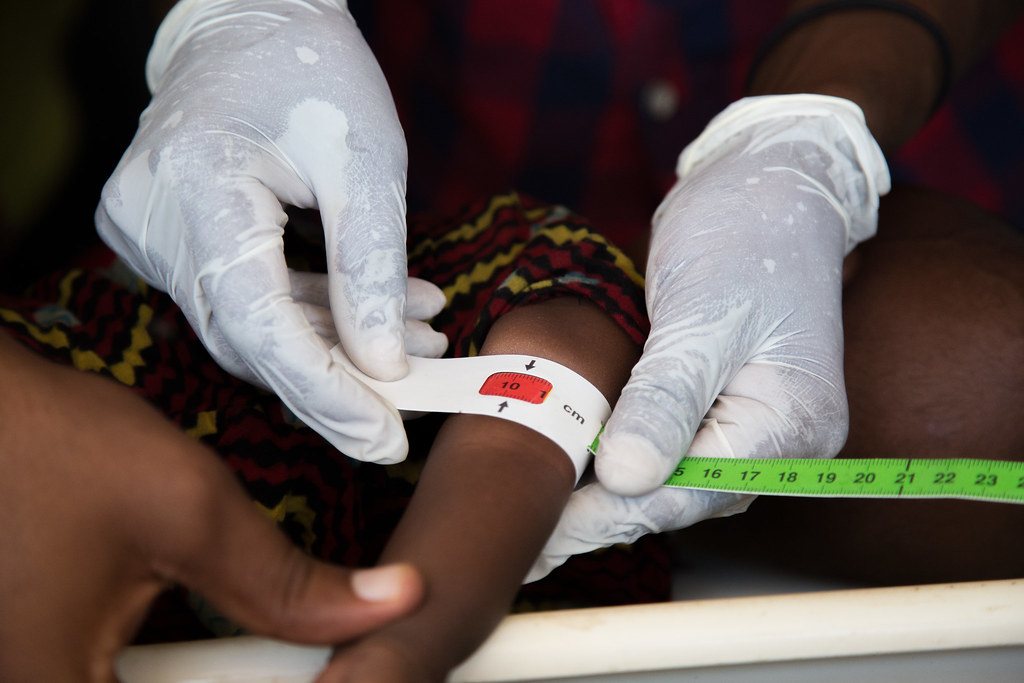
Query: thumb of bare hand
[{"x": 260, "y": 580}]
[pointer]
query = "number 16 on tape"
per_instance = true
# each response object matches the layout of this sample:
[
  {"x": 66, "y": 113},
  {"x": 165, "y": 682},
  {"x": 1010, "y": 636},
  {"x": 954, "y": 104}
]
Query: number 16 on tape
[{"x": 970, "y": 479}]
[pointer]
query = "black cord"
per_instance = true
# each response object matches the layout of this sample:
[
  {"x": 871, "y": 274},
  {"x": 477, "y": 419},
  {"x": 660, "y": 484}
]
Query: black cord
[{"x": 908, "y": 11}]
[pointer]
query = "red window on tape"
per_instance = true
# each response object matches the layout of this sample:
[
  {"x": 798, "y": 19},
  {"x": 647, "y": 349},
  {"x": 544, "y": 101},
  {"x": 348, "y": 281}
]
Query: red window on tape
[{"x": 517, "y": 385}]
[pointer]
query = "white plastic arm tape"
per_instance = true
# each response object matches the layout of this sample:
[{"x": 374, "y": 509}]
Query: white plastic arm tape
[{"x": 537, "y": 393}]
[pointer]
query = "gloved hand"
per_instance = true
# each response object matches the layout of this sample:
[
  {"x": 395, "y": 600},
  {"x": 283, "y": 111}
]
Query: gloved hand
[
  {"x": 257, "y": 103},
  {"x": 744, "y": 290}
]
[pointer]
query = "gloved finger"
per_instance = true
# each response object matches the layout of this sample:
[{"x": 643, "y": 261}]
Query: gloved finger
[
  {"x": 282, "y": 348},
  {"x": 133, "y": 196},
  {"x": 424, "y": 341},
  {"x": 424, "y": 299},
  {"x": 593, "y": 518},
  {"x": 368, "y": 293},
  {"x": 420, "y": 338},
  {"x": 597, "y": 518},
  {"x": 246, "y": 299},
  {"x": 775, "y": 411},
  {"x": 358, "y": 177},
  {"x": 658, "y": 411},
  {"x": 352, "y": 162},
  {"x": 223, "y": 548},
  {"x": 322, "y": 322},
  {"x": 309, "y": 288},
  {"x": 198, "y": 315}
]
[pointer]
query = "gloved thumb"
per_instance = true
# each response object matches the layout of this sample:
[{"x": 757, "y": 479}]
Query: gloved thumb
[
  {"x": 357, "y": 171},
  {"x": 367, "y": 284},
  {"x": 654, "y": 420},
  {"x": 766, "y": 410}
]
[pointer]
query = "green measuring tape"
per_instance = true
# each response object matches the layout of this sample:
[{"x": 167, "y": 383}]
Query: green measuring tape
[
  {"x": 968, "y": 479},
  {"x": 998, "y": 481}
]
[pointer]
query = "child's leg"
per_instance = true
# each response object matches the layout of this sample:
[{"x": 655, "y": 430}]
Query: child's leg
[{"x": 487, "y": 500}]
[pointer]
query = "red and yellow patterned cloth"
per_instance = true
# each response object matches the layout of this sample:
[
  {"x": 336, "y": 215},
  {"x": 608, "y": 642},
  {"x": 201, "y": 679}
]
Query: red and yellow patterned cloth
[{"x": 506, "y": 252}]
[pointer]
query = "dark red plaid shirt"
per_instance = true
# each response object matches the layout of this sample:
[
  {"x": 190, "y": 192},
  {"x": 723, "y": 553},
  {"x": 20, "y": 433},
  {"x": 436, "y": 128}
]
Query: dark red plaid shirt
[{"x": 589, "y": 102}]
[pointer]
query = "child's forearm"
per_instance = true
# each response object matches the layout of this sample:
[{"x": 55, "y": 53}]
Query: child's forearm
[
  {"x": 487, "y": 500},
  {"x": 489, "y": 497}
]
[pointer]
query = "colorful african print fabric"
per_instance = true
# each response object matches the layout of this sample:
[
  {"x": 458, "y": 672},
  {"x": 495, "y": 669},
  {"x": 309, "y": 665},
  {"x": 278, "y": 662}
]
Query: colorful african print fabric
[{"x": 496, "y": 255}]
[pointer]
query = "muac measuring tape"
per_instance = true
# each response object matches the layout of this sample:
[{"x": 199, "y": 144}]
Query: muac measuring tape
[{"x": 563, "y": 406}]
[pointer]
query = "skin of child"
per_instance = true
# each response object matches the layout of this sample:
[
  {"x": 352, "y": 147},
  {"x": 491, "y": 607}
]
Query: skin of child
[{"x": 487, "y": 500}]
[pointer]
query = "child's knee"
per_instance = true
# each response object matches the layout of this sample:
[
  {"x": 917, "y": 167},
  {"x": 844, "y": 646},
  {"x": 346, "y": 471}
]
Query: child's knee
[{"x": 934, "y": 318}]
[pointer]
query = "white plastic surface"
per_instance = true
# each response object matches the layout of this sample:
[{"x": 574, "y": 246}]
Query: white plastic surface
[{"x": 975, "y": 627}]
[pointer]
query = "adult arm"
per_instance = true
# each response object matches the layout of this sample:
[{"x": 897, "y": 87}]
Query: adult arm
[
  {"x": 886, "y": 63},
  {"x": 107, "y": 504}
]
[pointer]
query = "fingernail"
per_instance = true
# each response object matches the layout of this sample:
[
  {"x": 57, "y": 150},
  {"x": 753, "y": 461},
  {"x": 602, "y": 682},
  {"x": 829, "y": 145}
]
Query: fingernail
[{"x": 381, "y": 584}]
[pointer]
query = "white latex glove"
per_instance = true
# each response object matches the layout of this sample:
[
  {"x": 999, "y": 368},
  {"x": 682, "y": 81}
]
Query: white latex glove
[
  {"x": 744, "y": 290},
  {"x": 256, "y": 103}
]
